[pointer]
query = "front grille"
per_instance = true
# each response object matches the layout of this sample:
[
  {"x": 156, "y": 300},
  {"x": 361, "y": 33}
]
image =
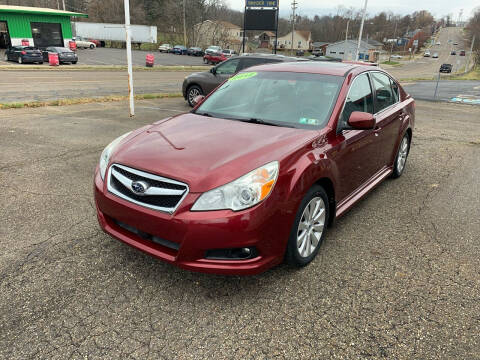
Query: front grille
[{"x": 159, "y": 193}]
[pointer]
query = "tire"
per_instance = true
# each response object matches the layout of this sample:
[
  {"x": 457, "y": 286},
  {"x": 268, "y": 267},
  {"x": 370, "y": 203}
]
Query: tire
[
  {"x": 311, "y": 230},
  {"x": 401, "y": 158},
  {"x": 192, "y": 92},
  {"x": 92, "y": 46},
  {"x": 20, "y": 60},
  {"x": 74, "y": 62}
]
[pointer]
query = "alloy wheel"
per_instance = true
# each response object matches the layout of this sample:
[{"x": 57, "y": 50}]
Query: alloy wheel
[
  {"x": 310, "y": 227},
  {"x": 192, "y": 94},
  {"x": 402, "y": 154}
]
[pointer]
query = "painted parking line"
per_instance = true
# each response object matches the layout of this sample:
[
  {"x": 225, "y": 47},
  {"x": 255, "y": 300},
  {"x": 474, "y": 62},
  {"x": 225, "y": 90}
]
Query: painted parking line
[{"x": 466, "y": 99}]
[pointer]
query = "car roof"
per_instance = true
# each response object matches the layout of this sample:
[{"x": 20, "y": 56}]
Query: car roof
[{"x": 313, "y": 67}]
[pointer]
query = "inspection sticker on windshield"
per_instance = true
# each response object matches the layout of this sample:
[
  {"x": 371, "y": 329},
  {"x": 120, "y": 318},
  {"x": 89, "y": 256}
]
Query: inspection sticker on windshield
[
  {"x": 243, "y": 76},
  {"x": 308, "y": 121}
]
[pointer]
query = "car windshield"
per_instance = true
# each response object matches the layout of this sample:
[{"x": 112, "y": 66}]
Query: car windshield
[
  {"x": 62, "y": 49},
  {"x": 275, "y": 98}
]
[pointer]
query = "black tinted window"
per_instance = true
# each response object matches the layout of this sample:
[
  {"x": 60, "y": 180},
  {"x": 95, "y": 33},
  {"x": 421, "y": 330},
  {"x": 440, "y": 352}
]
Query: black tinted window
[
  {"x": 384, "y": 96},
  {"x": 248, "y": 62},
  {"x": 228, "y": 67},
  {"x": 359, "y": 97}
]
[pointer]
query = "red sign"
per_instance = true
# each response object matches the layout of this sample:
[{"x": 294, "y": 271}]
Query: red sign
[
  {"x": 150, "y": 60},
  {"x": 53, "y": 59},
  {"x": 72, "y": 45},
  {"x": 25, "y": 42}
]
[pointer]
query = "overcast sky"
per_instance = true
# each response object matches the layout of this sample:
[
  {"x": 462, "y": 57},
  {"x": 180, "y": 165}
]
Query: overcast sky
[{"x": 438, "y": 8}]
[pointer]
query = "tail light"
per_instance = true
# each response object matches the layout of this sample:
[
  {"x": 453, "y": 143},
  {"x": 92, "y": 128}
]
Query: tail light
[{"x": 23, "y": 52}]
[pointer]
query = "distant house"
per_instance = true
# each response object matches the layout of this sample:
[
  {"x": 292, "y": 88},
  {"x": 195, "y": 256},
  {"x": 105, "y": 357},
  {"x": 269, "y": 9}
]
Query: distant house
[
  {"x": 266, "y": 39},
  {"x": 302, "y": 40},
  {"x": 346, "y": 50},
  {"x": 220, "y": 33},
  {"x": 320, "y": 47}
]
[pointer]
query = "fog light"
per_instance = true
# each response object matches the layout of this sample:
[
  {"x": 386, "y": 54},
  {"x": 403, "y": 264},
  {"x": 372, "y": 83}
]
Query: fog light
[{"x": 232, "y": 254}]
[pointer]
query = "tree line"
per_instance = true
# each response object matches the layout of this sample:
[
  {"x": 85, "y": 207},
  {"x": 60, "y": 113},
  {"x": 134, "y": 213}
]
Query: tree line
[{"x": 167, "y": 15}]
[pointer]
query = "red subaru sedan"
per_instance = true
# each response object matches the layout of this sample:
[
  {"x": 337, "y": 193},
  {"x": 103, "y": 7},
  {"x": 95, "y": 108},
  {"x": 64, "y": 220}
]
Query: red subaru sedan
[{"x": 256, "y": 173}]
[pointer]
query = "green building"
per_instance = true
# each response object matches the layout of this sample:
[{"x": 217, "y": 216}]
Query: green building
[{"x": 39, "y": 26}]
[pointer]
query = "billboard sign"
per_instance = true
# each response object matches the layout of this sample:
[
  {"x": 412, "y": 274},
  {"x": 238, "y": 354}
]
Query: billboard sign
[
  {"x": 262, "y": 3},
  {"x": 261, "y": 20}
]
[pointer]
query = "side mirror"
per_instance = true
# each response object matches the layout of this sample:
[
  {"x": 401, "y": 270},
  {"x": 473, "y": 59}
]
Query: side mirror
[
  {"x": 213, "y": 70},
  {"x": 361, "y": 120},
  {"x": 198, "y": 100}
]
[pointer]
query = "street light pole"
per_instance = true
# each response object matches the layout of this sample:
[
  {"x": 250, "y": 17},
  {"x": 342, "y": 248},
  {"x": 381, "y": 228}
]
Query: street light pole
[
  {"x": 184, "y": 24},
  {"x": 346, "y": 39},
  {"x": 469, "y": 55},
  {"x": 129, "y": 57},
  {"x": 361, "y": 30}
]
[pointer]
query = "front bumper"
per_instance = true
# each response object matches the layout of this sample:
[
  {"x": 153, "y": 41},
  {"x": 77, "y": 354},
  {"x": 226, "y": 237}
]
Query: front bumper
[{"x": 193, "y": 233}]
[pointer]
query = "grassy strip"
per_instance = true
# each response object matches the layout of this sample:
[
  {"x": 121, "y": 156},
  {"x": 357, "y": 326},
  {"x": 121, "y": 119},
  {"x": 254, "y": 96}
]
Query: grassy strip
[
  {"x": 473, "y": 74},
  {"x": 77, "y": 101},
  {"x": 104, "y": 68},
  {"x": 393, "y": 63}
]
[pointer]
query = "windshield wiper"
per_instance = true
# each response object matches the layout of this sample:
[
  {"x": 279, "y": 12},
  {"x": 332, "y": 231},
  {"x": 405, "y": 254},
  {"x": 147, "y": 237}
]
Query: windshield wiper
[
  {"x": 203, "y": 114},
  {"x": 264, "y": 122}
]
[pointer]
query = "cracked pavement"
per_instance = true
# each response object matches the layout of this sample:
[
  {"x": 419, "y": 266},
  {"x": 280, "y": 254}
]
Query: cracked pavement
[{"x": 398, "y": 276}]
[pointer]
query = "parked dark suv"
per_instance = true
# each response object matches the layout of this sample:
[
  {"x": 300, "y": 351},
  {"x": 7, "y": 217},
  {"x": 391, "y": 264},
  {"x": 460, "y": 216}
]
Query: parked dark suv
[{"x": 203, "y": 83}]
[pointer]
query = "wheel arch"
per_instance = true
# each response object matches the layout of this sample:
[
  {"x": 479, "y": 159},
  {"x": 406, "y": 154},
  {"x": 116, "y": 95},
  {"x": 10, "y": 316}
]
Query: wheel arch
[{"x": 327, "y": 184}]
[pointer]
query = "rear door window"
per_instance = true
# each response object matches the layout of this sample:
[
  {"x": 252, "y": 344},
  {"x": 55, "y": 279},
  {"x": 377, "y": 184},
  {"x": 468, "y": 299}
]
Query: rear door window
[{"x": 384, "y": 96}]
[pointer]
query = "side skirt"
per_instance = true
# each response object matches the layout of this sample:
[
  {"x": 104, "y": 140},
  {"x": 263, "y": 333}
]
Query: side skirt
[{"x": 363, "y": 190}]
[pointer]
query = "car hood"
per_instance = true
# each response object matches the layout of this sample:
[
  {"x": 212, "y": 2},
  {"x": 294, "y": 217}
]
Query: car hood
[{"x": 207, "y": 152}]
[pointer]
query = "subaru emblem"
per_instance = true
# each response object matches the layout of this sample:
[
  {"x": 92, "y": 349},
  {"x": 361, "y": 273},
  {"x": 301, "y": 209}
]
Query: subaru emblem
[{"x": 139, "y": 187}]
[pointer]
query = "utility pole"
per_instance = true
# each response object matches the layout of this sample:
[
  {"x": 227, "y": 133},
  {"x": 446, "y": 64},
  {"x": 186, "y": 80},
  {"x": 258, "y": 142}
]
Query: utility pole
[
  {"x": 63, "y": 2},
  {"x": 469, "y": 55},
  {"x": 58, "y": 4},
  {"x": 294, "y": 7},
  {"x": 394, "y": 34},
  {"x": 129, "y": 57},
  {"x": 361, "y": 30},
  {"x": 184, "y": 24}
]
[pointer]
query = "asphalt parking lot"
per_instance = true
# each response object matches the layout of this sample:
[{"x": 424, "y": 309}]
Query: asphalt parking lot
[
  {"x": 398, "y": 276},
  {"x": 108, "y": 56}
]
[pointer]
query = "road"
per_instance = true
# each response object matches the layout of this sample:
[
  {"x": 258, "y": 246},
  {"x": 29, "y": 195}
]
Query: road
[
  {"x": 24, "y": 86},
  {"x": 397, "y": 278},
  {"x": 425, "y": 67},
  {"x": 107, "y": 56},
  {"x": 448, "y": 90}
]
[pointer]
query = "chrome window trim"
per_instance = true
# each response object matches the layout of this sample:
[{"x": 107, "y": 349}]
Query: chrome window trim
[
  {"x": 391, "y": 79},
  {"x": 148, "y": 176},
  {"x": 348, "y": 93}
]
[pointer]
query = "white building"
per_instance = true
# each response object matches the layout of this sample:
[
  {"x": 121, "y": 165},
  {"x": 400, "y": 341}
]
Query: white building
[
  {"x": 301, "y": 40},
  {"x": 346, "y": 50}
]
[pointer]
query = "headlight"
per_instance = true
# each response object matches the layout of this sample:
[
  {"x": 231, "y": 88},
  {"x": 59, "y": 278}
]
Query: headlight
[
  {"x": 105, "y": 157},
  {"x": 242, "y": 193}
]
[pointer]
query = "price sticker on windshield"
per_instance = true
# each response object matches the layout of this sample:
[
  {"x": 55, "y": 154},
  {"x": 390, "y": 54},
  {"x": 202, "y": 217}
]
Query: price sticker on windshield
[{"x": 243, "y": 76}]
